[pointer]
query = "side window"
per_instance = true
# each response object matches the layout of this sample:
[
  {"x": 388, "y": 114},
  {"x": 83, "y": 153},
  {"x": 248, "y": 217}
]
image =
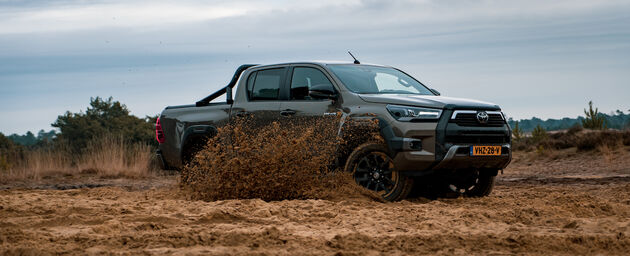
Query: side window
[
  {"x": 250, "y": 84},
  {"x": 303, "y": 79},
  {"x": 266, "y": 85}
]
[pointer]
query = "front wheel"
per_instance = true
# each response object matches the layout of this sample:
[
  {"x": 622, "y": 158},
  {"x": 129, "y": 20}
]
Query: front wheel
[
  {"x": 373, "y": 169},
  {"x": 483, "y": 187},
  {"x": 473, "y": 184}
]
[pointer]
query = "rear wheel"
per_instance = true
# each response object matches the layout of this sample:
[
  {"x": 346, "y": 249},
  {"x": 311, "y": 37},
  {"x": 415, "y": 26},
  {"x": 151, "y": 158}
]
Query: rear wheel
[{"x": 373, "y": 169}]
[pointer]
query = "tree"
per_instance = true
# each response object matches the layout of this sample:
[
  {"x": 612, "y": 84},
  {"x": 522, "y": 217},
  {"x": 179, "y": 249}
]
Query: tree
[
  {"x": 102, "y": 118},
  {"x": 5, "y": 143},
  {"x": 593, "y": 119},
  {"x": 7, "y": 150},
  {"x": 517, "y": 133}
]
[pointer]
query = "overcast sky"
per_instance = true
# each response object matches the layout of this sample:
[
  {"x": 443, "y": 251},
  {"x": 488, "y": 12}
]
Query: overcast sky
[{"x": 533, "y": 58}]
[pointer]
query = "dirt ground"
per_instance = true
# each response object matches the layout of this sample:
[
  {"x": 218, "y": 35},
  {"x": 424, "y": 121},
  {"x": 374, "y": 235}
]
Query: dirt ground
[{"x": 578, "y": 204}]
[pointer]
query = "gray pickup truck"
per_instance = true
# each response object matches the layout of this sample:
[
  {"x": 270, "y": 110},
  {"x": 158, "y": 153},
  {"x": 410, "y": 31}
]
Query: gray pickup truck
[{"x": 463, "y": 142}]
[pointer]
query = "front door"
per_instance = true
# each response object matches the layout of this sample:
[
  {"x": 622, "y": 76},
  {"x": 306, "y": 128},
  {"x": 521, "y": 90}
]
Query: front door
[{"x": 300, "y": 104}]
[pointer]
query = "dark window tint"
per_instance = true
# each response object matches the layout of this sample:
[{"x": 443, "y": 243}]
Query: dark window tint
[
  {"x": 303, "y": 79},
  {"x": 267, "y": 84}
]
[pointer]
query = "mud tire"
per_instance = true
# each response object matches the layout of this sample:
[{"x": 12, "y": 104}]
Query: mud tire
[
  {"x": 401, "y": 185},
  {"x": 484, "y": 186}
]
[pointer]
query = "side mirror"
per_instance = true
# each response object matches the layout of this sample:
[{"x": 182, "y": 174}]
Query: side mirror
[
  {"x": 322, "y": 91},
  {"x": 434, "y": 91}
]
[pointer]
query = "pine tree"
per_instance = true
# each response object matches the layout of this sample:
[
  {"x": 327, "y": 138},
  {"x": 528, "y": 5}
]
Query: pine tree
[
  {"x": 517, "y": 132},
  {"x": 593, "y": 118}
]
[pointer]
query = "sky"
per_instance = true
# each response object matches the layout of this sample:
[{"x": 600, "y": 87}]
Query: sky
[{"x": 534, "y": 58}]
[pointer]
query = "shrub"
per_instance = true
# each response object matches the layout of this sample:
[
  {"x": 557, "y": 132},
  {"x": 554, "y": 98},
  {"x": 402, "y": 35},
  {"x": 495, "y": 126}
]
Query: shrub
[
  {"x": 575, "y": 129},
  {"x": 517, "y": 132},
  {"x": 593, "y": 140},
  {"x": 4, "y": 165},
  {"x": 539, "y": 134}
]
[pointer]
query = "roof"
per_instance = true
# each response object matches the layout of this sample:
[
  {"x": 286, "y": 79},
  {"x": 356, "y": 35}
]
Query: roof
[{"x": 321, "y": 63}]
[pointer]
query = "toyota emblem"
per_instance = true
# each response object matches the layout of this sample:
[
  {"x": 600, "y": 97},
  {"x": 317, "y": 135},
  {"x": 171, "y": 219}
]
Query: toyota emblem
[{"x": 482, "y": 117}]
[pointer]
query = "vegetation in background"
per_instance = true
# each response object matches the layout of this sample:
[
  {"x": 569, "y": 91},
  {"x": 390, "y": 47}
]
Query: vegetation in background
[
  {"x": 616, "y": 120},
  {"x": 29, "y": 139},
  {"x": 539, "y": 134},
  {"x": 6, "y": 146},
  {"x": 105, "y": 139},
  {"x": 517, "y": 132},
  {"x": 593, "y": 120},
  {"x": 575, "y": 137},
  {"x": 103, "y": 118}
]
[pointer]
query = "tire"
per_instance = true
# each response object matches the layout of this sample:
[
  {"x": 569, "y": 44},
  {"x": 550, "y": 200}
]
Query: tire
[
  {"x": 373, "y": 169},
  {"x": 468, "y": 183},
  {"x": 483, "y": 187}
]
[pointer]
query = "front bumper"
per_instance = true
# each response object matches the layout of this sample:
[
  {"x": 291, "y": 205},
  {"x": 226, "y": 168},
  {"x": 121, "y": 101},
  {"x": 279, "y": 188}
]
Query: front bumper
[
  {"x": 445, "y": 146},
  {"x": 458, "y": 157}
]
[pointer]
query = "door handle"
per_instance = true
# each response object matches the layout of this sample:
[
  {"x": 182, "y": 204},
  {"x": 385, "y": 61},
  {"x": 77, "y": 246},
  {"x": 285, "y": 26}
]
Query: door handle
[{"x": 287, "y": 112}]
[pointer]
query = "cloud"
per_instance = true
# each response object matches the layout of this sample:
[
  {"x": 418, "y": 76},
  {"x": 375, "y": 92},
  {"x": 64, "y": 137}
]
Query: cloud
[
  {"x": 64, "y": 16},
  {"x": 514, "y": 53}
]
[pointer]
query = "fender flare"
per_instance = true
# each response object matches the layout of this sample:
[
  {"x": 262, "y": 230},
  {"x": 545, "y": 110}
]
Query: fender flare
[
  {"x": 394, "y": 143},
  {"x": 196, "y": 132}
]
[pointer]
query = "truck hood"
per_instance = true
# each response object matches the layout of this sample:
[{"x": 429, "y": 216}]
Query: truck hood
[{"x": 428, "y": 101}]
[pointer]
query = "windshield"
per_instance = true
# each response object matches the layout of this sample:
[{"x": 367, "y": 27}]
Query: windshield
[{"x": 372, "y": 79}]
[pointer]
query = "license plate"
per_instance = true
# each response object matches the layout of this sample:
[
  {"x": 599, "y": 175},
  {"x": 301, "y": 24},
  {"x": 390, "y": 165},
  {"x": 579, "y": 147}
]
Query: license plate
[{"x": 485, "y": 150}]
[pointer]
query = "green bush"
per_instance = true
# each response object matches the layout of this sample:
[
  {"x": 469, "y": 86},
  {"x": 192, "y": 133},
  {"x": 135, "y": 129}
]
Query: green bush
[{"x": 539, "y": 134}]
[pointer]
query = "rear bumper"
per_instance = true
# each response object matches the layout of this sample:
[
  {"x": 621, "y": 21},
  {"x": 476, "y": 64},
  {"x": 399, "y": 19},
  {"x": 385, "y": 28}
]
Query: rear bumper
[{"x": 160, "y": 160}]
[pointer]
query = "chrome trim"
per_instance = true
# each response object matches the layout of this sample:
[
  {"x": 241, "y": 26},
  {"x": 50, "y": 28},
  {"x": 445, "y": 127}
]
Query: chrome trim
[{"x": 474, "y": 112}]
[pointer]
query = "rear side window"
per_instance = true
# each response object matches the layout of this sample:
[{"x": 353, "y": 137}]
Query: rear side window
[
  {"x": 303, "y": 79},
  {"x": 265, "y": 84}
]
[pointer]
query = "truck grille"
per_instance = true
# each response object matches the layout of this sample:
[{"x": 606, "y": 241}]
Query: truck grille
[{"x": 470, "y": 119}]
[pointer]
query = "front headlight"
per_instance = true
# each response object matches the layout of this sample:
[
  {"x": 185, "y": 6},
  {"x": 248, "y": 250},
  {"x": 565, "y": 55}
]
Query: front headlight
[{"x": 405, "y": 113}]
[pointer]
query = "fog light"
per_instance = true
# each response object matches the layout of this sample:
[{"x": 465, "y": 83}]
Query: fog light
[{"x": 415, "y": 144}]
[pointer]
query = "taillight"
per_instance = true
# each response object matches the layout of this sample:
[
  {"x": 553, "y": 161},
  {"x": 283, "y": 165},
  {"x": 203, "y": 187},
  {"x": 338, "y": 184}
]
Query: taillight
[{"x": 159, "y": 134}]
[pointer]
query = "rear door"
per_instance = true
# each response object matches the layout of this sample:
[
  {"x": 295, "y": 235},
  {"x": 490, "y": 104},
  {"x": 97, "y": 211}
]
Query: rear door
[
  {"x": 264, "y": 95},
  {"x": 300, "y": 79}
]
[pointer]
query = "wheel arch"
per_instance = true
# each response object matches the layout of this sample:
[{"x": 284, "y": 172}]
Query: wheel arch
[{"x": 194, "y": 137}]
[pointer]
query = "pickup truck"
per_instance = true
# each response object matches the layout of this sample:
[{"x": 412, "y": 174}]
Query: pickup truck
[{"x": 463, "y": 142}]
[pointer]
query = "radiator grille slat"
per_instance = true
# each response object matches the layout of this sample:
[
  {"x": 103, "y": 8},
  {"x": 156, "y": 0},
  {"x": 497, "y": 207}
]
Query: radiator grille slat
[{"x": 470, "y": 119}]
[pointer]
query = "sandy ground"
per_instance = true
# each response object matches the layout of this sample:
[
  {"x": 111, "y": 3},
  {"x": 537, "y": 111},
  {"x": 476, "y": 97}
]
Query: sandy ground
[{"x": 573, "y": 205}]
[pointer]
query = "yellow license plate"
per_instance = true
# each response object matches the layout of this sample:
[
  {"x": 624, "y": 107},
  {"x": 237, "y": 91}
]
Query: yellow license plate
[{"x": 485, "y": 150}]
